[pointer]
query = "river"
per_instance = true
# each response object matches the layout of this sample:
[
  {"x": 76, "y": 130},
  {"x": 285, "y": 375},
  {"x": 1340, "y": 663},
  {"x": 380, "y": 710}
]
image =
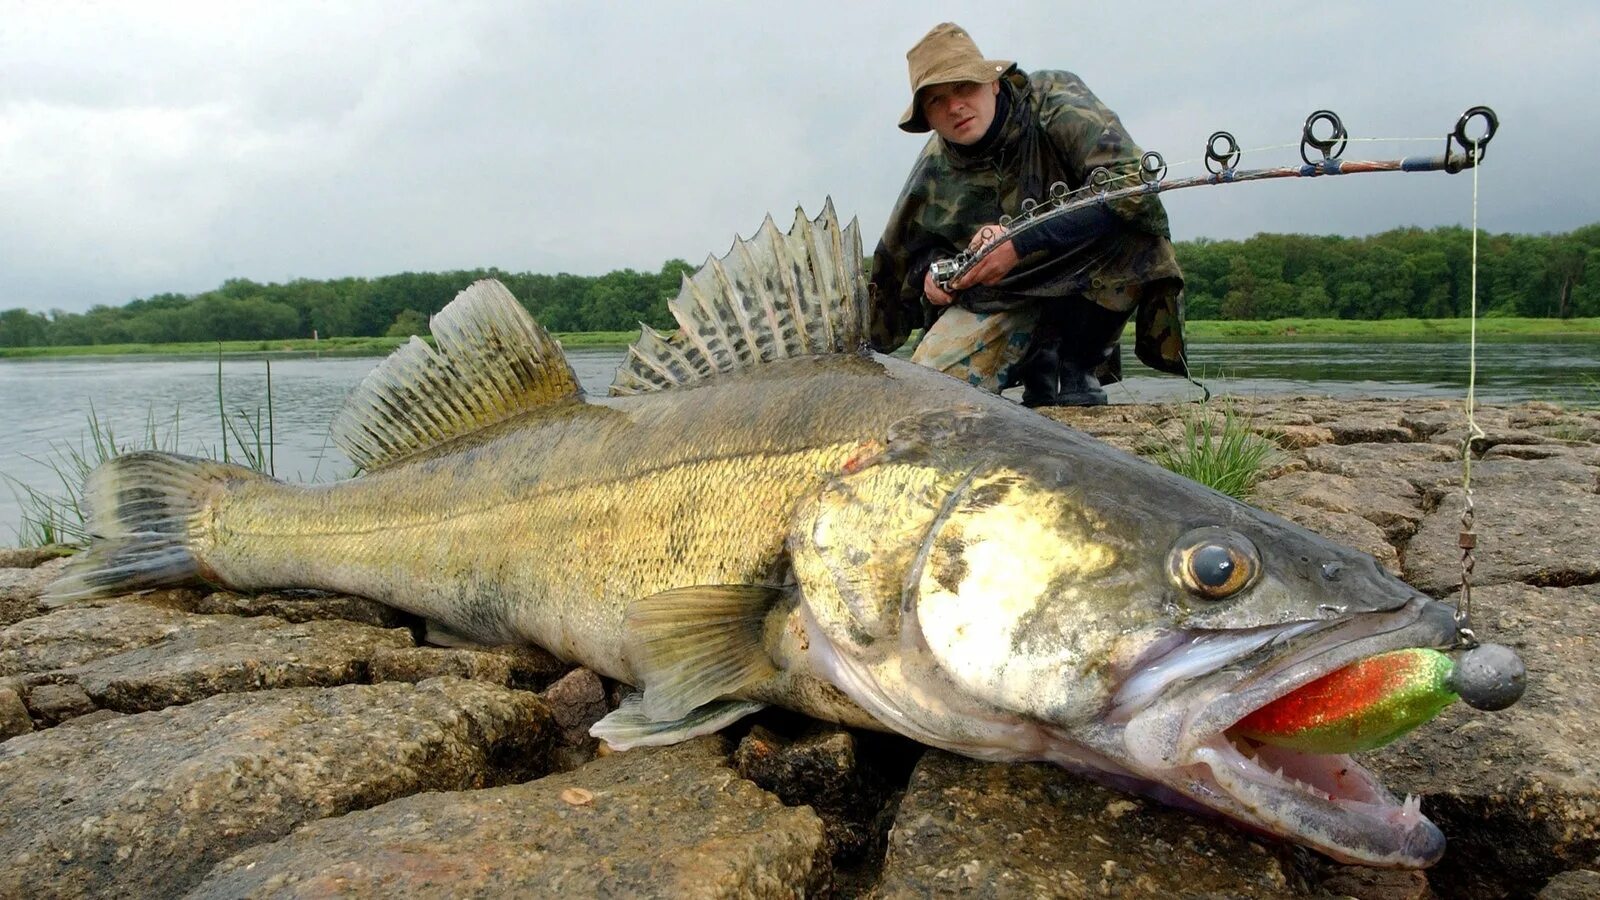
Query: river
[{"x": 46, "y": 405}]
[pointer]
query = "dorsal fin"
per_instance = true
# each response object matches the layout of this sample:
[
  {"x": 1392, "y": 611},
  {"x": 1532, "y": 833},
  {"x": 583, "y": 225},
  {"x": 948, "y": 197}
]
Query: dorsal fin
[
  {"x": 493, "y": 361},
  {"x": 774, "y": 296}
]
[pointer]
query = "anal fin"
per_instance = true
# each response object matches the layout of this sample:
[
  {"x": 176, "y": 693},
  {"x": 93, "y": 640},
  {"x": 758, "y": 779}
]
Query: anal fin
[
  {"x": 628, "y": 727},
  {"x": 692, "y": 645}
]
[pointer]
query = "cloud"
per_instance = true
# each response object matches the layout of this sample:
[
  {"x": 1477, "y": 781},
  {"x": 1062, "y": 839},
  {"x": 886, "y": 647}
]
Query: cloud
[{"x": 148, "y": 148}]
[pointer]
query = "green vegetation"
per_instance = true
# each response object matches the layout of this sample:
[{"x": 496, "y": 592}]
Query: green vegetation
[
  {"x": 378, "y": 346},
  {"x": 1218, "y": 448},
  {"x": 61, "y": 518},
  {"x": 1270, "y": 279}
]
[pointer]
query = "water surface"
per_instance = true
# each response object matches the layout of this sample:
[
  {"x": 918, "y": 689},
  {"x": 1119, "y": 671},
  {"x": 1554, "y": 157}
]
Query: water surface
[{"x": 45, "y": 404}]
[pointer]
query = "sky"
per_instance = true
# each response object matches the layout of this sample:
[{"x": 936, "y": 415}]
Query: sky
[{"x": 152, "y": 147}]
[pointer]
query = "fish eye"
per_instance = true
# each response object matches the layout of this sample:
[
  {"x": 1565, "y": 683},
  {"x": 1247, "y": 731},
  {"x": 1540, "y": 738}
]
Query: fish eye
[{"x": 1213, "y": 563}]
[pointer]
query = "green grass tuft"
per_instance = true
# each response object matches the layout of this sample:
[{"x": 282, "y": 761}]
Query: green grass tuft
[{"x": 1218, "y": 448}]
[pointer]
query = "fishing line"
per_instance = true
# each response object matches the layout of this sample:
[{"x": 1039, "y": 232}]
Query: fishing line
[{"x": 1468, "y": 538}]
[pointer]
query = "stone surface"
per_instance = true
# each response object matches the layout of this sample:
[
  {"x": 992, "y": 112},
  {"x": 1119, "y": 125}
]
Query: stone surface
[
  {"x": 145, "y": 805},
  {"x": 823, "y": 768},
  {"x": 1538, "y": 522},
  {"x": 1579, "y": 884},
  {"x": 996, "y": 830},
  {"x": 666, "y": 822},
  {"x": 577, "y": 700},
  {"x": 527, "y": 668},
  {"x": 14, "y": 718},
  {"x": 29, "y": 557},
  {"x": 1518, "y": 791},
  {"x": 303, "y": 606},
  {"x": 132, "y": 657},
  {"x": 20, "y": 589},
  {"x": 53, "y": 703}
]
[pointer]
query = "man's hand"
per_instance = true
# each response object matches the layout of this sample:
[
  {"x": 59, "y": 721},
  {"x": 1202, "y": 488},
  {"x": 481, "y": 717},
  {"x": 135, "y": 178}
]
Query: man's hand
[
  {"x": 993, "y": 267},
  {"x": 934, "y": 293}
]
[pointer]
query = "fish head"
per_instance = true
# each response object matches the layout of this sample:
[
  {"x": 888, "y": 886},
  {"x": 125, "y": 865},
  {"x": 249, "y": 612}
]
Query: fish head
[{"x": 1053, "y": 599}]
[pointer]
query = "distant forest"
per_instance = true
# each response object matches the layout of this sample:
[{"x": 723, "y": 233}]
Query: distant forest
[{"x": 1407, "y": 273}]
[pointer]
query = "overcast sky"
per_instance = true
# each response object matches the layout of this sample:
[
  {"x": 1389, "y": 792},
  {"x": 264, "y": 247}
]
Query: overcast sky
[{"x": 150, "y": 147}]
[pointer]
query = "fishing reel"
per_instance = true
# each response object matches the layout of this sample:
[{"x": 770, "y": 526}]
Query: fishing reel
[{"x": 945, "y": 271}]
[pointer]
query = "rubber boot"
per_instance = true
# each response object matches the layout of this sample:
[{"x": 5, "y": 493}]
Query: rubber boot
[
  {"x": 1090, "y": 345},
  {"x": 1040, "y": 371}
]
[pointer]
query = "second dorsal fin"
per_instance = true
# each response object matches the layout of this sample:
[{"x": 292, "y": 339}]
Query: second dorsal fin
[
  {"x": 774, "y": 296},
  {"x": 493, "y": 361}
]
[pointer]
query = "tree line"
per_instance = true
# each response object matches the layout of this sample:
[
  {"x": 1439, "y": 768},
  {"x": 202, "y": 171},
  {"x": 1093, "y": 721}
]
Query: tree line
[{"x": 1406, "y": 273}]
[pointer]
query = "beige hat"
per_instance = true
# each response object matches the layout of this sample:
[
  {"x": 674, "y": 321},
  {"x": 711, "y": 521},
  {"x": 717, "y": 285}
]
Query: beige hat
[{"x": 945, "y": 55}]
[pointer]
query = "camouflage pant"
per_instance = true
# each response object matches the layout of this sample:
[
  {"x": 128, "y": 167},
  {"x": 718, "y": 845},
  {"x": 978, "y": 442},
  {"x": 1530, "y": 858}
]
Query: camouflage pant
[{"x": 979, "y": 348}]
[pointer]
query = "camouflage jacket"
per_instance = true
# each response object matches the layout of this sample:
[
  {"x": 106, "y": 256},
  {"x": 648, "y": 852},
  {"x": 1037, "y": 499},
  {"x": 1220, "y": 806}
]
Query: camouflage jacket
[{"x": 1055, "y": 130}]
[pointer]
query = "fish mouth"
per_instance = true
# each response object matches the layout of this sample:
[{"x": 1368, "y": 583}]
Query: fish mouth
[{"x": 1178, "y": 729}]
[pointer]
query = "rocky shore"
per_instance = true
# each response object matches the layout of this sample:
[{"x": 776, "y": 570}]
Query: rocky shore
[{"x": 199, "y": 743}]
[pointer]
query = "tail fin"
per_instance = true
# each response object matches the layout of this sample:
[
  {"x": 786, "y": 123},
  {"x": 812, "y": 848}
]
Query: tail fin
[{"x": 142, "y": 510}]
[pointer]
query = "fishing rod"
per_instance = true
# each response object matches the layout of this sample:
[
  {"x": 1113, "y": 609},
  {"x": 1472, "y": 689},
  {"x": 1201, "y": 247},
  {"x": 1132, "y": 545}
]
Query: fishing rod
[{"x": 1222, "y": 160}]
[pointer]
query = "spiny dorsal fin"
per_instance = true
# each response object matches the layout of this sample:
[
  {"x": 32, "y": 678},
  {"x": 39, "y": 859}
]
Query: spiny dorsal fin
[
  {"x": 493, "y": 362},
  {"x": 774, "y": 296}
]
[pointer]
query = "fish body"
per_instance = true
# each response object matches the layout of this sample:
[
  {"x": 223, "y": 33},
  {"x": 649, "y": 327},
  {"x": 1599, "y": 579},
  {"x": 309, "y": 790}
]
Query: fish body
[{"x": 766, "y": 514}]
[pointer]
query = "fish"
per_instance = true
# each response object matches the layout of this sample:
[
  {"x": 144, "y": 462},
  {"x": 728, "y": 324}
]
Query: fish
[{"x": 764, "y": 512}]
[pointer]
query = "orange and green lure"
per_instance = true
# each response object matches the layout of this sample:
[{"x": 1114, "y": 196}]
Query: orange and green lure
[{"x": 1364, "y": 705}]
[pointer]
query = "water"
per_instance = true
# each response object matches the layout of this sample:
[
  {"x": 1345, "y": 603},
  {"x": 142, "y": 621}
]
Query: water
[{"x": 47, "y": 403}]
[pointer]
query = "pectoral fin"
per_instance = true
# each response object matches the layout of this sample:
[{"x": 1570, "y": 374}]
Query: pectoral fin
[
  {"x": 690, "y": 646},
  {"x": 628, "y": 727}
]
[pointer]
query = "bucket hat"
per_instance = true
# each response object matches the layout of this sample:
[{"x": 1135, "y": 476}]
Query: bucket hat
[{"x": 945, "y": 55}]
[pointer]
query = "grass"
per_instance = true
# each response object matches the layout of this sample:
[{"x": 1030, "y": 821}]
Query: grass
[
  {"x": 62, "y": 517},
  {"x": 1218, "y": 448}
]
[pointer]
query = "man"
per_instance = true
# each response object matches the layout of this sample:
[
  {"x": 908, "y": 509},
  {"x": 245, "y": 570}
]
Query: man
[{"x": 1048, "y": 307}]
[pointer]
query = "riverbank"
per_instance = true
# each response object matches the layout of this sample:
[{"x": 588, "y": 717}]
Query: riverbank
[
  {"x": 1489, "y": 329},
  {"x": 232, "y": 744}
]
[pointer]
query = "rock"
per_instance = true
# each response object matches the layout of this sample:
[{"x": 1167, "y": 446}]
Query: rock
[
  {"x": 1517, "y": 792},
  {"x": 1537, "y": 523},
  {"x": 14, "y": 718},
  {"x": 577, "y": 701},
  {"x": 1361, "y": 460},
  {"x": 303, "y": 606},
  {"x": 1391, "y": 503},
  {"x": 526, "y": 668},
  {"x": 1011, "y": 830},
  {"x": 132, "y": 657},
  {"x": 1374, "y": 430},
  {"x": 94, "y": 718},
  {"x": 1298, "y": 437},
  {"x": 659, "y": 822},
  {"x": 822, "y": 770},
  {"x": 145, "y": 805},
  {"x": 30, "y": 557},
  {"x": 20, "y": 589},
  {"x": 56, "y": 703},
  {"x": 1344, "y": 528},
  {"x": 1579, "y": 884}
]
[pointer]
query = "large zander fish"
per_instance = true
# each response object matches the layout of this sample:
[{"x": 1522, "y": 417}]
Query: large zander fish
[{"x": 765, "y": 513}]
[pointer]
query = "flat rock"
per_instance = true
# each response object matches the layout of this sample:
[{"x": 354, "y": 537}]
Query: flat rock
[
  {"x": 1006, "y": 830},
  {"x": 577, "y": 700},
  {"x": 145, "y": 805},
  {"x": 29, "y": 557},
  {"x": 20, "y": 589},
  {"x": 1579, "y": 884},
  {"x": 14, "y": 718},
  {"x": 1344, "y": 528},
  {"x": 132, "y": 657},
  {"x": 1391, "y": 503},
  {"x": 664, "y": 822},
  {"x": 1517, "y": 791},
  {"x": 1538, "y": 522},
  {"x": 1362, "y": 460},
  {"x": 527, "y": 668},
  {"x": 303, "y": 606}
]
